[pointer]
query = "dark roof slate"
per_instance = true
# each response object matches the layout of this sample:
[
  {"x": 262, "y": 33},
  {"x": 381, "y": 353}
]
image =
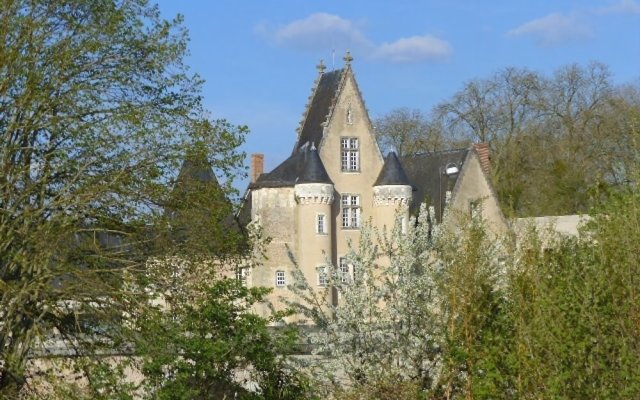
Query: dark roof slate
[
  {"x": 321, "y": 105},
  {"x": 425, "y": 172},
  {"x": 392, "y": 172},
  {"x": 313, "y": 170},
  {"x": 304, "y": 166},
  {"x": 198, "y": 169},
  {"x": 198, "y": 188}
]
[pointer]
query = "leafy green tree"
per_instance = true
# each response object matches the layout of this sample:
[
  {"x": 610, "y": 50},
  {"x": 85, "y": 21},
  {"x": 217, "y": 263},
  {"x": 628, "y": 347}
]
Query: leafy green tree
[
  {"x": 97, "y": 110},
  {"x": 214, "y": 346},
  {"x": 473, "y": 314},
  {"x": 576, "y": 307}
]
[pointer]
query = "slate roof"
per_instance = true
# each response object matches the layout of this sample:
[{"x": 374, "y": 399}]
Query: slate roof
[
  {"x": 321, "y": 105},
  {"x": 313, "y": 170},
  {"x": 197, "y": 169},
  {"x": 196, "y": 176},
  {"x": 426, "y": 174},
  {"x": 392, "y": 172},
  {"x": 304, "y": 166}
]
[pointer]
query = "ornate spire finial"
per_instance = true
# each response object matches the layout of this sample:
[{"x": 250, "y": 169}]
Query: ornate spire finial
[
  {"x": 321, "y": 67},
  {"x": 348, "y": 58}
]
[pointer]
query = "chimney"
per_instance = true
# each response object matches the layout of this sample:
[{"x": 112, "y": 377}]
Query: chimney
[
  {"x": 485, "y": 156},
  {"x": 257, "y": 166}
]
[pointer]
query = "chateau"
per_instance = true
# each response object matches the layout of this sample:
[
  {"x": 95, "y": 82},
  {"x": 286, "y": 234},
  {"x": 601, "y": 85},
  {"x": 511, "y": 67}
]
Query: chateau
[{"x": 336, "y": 179}]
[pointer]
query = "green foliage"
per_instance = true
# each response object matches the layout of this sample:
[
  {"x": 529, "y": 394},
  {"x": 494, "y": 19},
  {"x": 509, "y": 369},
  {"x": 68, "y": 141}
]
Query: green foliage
[
  {"x": 215, "y": 346},
  {"x": 97, "y": 109},
  {"x": 552, "y": 138},
  {"x": 472, "y": 314},
  {"x": 528, "y": 317},
  {"x": 578, "y": 313}
]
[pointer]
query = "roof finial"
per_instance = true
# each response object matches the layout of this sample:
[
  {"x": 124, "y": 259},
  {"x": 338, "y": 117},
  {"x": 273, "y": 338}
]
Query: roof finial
[
  {"x": 348, "y": 58},
  {"x": 321, "y": 67}
]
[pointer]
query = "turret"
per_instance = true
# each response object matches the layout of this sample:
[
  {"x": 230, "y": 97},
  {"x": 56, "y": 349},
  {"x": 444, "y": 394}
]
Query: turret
[
  {"x": 314, "y": 196},
  {"x": 392, "y": 193}
]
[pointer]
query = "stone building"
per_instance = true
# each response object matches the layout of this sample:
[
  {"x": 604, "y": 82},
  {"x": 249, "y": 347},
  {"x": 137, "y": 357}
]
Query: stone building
[{"x": 336, "y": 178}]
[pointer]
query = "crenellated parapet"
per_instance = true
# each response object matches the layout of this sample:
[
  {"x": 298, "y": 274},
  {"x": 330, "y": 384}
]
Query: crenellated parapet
[
  {"x": 314, "y": 193},
  {"x": 392, "y": 195}
]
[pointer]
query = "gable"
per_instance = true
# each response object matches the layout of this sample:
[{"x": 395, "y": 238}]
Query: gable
[
  {"x": 473, "y": 185},
  {"x": 349, "y": 118}
]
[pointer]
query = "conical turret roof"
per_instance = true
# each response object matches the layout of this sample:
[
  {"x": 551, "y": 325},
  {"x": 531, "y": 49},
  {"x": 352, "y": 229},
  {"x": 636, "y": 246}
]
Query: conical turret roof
[
  {"x": 313, "y": 170},
  {"x": 392, "y": 172}
]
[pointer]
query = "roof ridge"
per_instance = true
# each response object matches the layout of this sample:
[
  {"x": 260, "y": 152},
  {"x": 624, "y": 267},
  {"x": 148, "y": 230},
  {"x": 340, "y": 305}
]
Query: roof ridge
[
  {"x": 307, "y": 106},
  {"x": 445, "y": 151},
  {"x": 319, "y": 107},
  {"x": 334, "y": 99}
]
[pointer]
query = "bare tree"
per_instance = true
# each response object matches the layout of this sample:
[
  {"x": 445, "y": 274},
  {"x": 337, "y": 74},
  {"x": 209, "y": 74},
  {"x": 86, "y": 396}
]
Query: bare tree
[{"x": 408, "y": 131}]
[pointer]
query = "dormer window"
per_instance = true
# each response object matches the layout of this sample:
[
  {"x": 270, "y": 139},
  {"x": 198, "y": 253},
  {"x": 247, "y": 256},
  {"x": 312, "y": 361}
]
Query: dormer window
[{"x": 350, "y": 154}]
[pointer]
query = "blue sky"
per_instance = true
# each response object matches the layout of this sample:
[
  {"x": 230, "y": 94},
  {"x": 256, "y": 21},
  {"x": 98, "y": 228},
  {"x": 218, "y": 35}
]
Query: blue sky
[{"x": 258, "y": 57}]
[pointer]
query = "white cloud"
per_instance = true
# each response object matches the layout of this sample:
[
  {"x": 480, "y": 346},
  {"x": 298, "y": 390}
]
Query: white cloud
[
  {"x": 621, "y": 7},
  {"x": 324, "y": 32},
  {"x": 320, "y": 31},
  {"x": 414, "y": 49},
  {"x": 554, "y": 29}
]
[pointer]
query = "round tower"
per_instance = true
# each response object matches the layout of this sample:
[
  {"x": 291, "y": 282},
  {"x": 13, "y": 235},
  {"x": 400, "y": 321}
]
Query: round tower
[
  {"x": 314, "y": 196},
  {"x": 392, "y": 193}
]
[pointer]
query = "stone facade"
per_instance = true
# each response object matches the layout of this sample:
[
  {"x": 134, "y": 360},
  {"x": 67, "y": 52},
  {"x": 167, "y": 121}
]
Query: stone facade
[{"x": 314, "y": 203}]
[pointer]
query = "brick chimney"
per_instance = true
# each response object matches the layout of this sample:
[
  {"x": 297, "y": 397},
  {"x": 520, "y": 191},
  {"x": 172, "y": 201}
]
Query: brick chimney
[
  {"x": 257, "y": 166},
  {"x": 485, "y": 156}
]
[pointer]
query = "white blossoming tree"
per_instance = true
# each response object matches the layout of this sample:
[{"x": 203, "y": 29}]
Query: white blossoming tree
[{"x": 406, "y": 322}]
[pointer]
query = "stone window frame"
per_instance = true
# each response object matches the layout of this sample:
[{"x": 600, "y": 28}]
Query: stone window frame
[
  {"x": 349, "y": 154},
  {"x": 347, "y": 270},
  {"x": 323, "y": 277},
  {"x": 281, "y": 280},
  {"x": 241, "y": 275},
  {"x": 351, "y": 210},
  {"x": 403, "y": 223},
  {"x": 321, "y": 224},
  {"x": 475, "y": 209}
]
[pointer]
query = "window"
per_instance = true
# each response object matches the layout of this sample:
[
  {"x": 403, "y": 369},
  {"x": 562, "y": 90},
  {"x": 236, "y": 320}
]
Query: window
[
  {"x": 280, "y": 281},
  {"x": 241, "y": 275},
  {"x": 475, "y": 209},
  {"x": 323, "y": 279},
  {"x": 347, "y": 271},
  {"x": 350, "y": 155},
  {"x": 321, "y": 225},
  {"x": 351, "y": 211},
  {"x": 401, "y": 222}
]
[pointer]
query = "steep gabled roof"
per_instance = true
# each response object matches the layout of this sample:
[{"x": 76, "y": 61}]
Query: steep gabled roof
[
  {"x": 392, "y": 172},
  {"x": 321, "y": 105},
  {"x": 198, "y": 206},
  {"x": 196, "y": 168},
  {"x": 426, "y": 172}
]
